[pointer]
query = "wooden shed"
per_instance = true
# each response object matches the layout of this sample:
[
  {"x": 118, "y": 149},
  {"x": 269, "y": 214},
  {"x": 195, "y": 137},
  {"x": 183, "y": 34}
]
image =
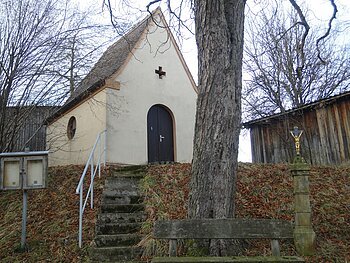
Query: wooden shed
[
  {"x": 24, "y": 128},
  {"x": 325, "y": 139}
]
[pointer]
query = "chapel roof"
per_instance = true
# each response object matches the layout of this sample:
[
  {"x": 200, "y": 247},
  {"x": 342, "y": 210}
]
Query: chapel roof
[
  {"x": 109, "y": 63},
  {"x": 112, "y": 59}
]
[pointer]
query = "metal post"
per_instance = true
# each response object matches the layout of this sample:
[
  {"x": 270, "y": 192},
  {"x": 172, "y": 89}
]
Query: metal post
[
  {"x": 99, "y": 155},
  {"x": 105, "y": 149},
  {"x": 24, "y": 220},
  {"x": 81, "y": 217},
  {"x": 92, "y": 184}
]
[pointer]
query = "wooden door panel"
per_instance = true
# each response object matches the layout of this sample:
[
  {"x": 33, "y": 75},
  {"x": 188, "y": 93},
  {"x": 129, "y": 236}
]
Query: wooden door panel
[{"x": 160, "y": 135}]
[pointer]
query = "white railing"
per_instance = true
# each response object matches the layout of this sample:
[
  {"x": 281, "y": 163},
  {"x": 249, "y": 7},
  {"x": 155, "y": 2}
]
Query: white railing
[{"x": 100, "y": 146}]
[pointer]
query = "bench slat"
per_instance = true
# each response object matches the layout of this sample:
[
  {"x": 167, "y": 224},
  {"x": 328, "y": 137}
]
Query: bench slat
[
  {"x": 224, "y": 229},
  {"x": 226, "y": 259}
]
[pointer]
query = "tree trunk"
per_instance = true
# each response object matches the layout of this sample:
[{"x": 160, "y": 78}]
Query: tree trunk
[{"x": 219, "y": 36}]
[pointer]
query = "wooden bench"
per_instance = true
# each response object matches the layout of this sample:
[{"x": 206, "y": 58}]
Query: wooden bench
[{"x": 224, "y": 229}]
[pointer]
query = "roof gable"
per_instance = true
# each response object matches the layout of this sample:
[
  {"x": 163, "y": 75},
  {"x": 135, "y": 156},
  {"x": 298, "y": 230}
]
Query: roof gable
[{"x": 113, "y": 60}]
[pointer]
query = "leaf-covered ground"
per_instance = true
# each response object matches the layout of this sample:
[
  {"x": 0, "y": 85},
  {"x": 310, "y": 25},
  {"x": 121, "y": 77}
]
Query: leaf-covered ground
[
  {"x": 52, "y": 222},
  {"x": 265, "y": 191}
]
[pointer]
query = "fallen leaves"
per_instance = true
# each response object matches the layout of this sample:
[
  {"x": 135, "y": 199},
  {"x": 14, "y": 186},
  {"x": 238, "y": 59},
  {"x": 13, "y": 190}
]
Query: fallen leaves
[
  {"x": 265, "y": 191},
  {"x": 52, "y": 220}
]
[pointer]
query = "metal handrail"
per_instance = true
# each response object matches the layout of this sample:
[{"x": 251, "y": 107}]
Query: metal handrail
[{"x": 93, "y": 168}]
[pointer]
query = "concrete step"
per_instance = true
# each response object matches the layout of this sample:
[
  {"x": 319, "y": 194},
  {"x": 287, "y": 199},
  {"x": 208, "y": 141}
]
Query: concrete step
[
  {"x": 121, "y": 199},
  {"x": 121, "y": 208},
  {"x": 117, "y": 240},
  {"x": 120, "y": 192},
  {"x": 115, "y": 254},
  {"x": 135, "y": 176},
  {"x": 123, "y": 180},
  {"x": 118, "y": 228},
  {"x": 130, "y": 169},
  {"x": 134, "y": 217}
]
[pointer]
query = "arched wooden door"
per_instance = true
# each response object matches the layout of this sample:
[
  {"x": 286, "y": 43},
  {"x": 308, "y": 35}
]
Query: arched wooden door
[{"x": 160, "y": 135}]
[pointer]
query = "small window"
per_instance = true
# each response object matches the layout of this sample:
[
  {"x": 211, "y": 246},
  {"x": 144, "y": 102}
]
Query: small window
[{"x": 71, "y": 128}]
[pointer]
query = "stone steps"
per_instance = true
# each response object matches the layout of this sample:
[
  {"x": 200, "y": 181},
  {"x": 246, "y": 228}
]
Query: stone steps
[
  {"x": 122, "y": 208},
  {"x": 117, "y": 240},
  {"x": 131, "y": 199},
  {"x": 120, "y": 218},
  {"x": 118, "y": 228},
  {"x": 134, "y": 217},
  {"x": 116, "y": 254}
]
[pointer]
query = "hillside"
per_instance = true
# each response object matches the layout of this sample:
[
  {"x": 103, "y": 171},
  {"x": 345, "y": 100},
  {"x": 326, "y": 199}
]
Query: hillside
[
  {"x": 263, "y": 191},
  {"x": 52, "y": 220}
]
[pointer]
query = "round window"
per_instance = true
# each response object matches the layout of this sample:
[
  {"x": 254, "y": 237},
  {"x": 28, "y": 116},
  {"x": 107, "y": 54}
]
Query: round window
[{"x": 71, "y": 128}]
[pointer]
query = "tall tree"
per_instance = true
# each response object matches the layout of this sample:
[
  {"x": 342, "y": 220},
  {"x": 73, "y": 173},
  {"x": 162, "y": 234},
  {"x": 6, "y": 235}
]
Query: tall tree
[
  {"x": 285, "y": 69},
  {"x": 219, "y": 26},
  {"x": 219, "y": 36}
]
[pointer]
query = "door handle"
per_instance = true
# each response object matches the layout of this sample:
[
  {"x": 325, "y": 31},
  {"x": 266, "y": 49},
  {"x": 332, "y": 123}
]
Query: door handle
[{"x": 161, "y": 138}]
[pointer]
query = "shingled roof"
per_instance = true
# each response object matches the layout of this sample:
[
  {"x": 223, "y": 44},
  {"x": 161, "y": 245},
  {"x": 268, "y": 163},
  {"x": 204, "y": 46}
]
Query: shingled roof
[
  {"x": 112, "y": 59},
  {"x": 110, "y": 62}
]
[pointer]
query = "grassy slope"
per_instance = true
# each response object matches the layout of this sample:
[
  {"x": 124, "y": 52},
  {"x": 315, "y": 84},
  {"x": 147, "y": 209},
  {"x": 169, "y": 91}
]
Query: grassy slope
[
  {"x": 266, "y": 191},
  {"x": 52, "y": 223}
]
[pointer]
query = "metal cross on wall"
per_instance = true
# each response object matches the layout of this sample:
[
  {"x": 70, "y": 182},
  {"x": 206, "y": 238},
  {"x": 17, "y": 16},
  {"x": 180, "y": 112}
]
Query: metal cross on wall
[{"x": 160, "y": 72}]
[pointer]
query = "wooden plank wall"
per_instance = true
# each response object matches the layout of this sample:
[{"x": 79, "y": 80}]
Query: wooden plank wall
[
  {"x": 31, "y": 133},
  {"x": 326, "y": 137}
]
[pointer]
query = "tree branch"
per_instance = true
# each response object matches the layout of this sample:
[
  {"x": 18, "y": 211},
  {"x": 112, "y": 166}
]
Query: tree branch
[
  {"x": 335, "y": 10},
  {"x": 307, "y": 29},
  {"x": 152, "y": 3}
]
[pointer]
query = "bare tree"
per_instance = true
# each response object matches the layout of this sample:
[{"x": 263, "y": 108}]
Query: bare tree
[
  {"x": 285, "y": 67},
  {"x": 81, "y": 47},
  {"x": 35, "y": 38},
  {"x": 29, "y": 37},
  {"x": 219, "y": 36}
]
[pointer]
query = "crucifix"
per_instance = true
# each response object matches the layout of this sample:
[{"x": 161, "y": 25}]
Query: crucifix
[
  {"x": 296, "y": 133},
  {"x": 160, "y": 72}
]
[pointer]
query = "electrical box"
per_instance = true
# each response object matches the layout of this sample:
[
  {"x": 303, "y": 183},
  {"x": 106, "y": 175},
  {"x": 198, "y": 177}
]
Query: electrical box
[{"x": 23, "y": 170}]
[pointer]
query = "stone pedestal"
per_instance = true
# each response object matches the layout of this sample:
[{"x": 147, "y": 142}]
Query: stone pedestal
[{"x": 304, "y": 236}]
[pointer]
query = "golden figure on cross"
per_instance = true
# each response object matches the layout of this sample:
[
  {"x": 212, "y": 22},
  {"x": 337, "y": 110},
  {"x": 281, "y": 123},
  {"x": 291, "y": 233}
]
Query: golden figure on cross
[{"x": 296, "y": 133}]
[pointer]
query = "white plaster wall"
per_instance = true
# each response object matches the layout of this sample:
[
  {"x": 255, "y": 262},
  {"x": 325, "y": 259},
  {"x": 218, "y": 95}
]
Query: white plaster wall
[
  {"x": 140, "y": 89},
  {"x": 91, "y": 120}
]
